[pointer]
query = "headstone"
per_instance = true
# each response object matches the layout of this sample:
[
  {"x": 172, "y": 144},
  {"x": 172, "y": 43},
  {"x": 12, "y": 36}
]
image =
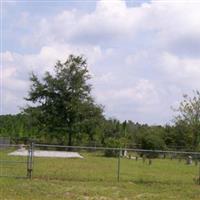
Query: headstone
[
  {"x": 125, "y": 153},
  {"x": 189, "y": 160}
]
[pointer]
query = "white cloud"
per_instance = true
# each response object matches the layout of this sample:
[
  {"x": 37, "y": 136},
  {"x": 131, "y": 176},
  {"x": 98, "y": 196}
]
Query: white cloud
[
  {"x": 142, "y": 58},
  {"x": 142, "y": 93},
  {"x": 182, "y": 71},
  {"x": 7, "y": 56},
  {"x": 165, "y": 23},
  {"x": 17, "y": 68}
]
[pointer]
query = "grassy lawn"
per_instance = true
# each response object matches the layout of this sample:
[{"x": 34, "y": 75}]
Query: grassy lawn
[{"x": 95, "y": 177}]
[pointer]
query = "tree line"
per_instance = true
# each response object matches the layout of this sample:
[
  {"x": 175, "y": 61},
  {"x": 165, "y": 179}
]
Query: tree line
[{"x": 63, "y": 111}]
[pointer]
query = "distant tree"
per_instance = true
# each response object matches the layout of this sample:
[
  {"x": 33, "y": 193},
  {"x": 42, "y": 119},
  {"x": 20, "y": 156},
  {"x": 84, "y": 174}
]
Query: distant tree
[
  {"x": 63, "y": 100},
  {"x": 16, "y": 127},
  {"x": 189, "y": 116},
  {"x": 151, "y": 137},
  {"x": 111, "y": 129},
  {"x": 92, "y": 121}
]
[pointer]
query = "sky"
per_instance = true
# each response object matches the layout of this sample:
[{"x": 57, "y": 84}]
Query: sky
[{"x": 142, "y": 55}]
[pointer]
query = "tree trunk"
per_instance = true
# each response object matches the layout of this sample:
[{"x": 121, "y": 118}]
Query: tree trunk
[{"x": 70, "y": 141}]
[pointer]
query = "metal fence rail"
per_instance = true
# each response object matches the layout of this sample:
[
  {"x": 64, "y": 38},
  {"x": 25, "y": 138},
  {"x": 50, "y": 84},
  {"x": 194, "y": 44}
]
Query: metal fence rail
[
  {"x": 119, "y": 149},
  {"x": 121, "y": 159},
  {"x": 16, "y": 160},
  {"x": 98, "y": 163}
]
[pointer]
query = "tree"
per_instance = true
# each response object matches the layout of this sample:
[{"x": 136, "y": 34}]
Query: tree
[
  {"x": 151, "y": 137},
  {"x": 189, "y": 115},
  {"x": 62, "y": 99},
  {"x": 91, "y": 122}
]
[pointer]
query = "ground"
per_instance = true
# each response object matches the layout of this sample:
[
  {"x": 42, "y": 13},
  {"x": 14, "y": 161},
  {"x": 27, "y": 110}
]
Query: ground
[{"x": 95, "y": 177}]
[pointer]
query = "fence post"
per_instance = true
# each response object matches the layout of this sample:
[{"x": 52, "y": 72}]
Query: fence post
[
  {"x": 199, "y": 174},
  {"x": 118, "y": 165},
  {"x": 30, "y": 161}
]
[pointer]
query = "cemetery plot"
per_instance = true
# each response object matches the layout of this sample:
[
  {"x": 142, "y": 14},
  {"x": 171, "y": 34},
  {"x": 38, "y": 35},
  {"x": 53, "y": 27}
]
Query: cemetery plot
[{"x": 116, "y": 165}]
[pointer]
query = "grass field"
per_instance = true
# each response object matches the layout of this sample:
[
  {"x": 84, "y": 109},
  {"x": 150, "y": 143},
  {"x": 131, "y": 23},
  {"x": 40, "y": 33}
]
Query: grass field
[{"x": 95, "y": 177}]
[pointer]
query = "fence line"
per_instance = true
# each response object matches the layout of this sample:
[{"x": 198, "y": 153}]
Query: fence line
[
  {"x": 119, "y": 149},
  {"x": 13, "y": 145},
  {"x": 16, "y": 167},
  {"x": 119, "y": 153},
  {"x": 31, "y": 148}
]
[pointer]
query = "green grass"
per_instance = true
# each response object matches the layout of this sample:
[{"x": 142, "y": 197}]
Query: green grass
[{"x": 95, "y": 177}]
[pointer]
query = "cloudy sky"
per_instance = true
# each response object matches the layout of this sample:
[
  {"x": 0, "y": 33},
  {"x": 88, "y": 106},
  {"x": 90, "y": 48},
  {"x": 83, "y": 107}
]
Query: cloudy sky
[{"x": 143, "y": 55}]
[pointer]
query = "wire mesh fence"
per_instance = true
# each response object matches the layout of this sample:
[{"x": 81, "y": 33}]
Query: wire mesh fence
[
  {"x": 114, "y": 164},
  {"x": 76, "y": 163},
  {"x": 73, "y": 163},
  {"x": 160, "y": 166},
  {"x": 15, "y": 160},
  {"x": 4, "y": 141}
]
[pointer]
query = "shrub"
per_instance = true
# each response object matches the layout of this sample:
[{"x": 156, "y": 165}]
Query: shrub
[{"x": 112, "y": 143}]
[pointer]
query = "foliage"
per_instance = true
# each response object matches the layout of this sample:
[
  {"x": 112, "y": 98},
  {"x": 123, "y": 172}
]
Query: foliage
[
  {"x": 17, "y": 126},
  {"x": 112, "y": 143},
  {"x": 63, "y": 100},
  {"x": 189, "y": 117},
  {"x": 63, "y": 111}
]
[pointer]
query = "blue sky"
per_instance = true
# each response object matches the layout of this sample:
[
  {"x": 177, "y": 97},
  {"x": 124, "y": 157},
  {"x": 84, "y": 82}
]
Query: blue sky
[
  {"x": 13, "y": 10},
  {"x": 143, "y": 55}
]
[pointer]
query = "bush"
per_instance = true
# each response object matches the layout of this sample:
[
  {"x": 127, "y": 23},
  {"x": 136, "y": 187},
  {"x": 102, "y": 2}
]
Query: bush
[
  {"x": 152, "y": 141},
  {"x": 112, "y": 143}
]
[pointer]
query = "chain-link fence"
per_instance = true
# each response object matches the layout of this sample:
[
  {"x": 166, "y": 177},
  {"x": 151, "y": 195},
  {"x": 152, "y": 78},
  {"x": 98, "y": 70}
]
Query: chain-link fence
[
  {"x": 76, "y": 163},
  {"x": 4, "y": 141},
  {"x": 113, "y": 164},
  {"x": 16, "y": 160}
]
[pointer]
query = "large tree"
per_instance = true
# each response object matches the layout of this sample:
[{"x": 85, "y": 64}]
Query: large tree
[
  {"x": 189, "y": 116},
  {"x": 63, "y": 99}
]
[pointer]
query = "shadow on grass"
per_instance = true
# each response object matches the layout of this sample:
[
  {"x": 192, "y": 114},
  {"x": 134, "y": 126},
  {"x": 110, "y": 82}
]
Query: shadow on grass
[
  {"x": 113, "y": 180},
  {"x": 46, "y": 178},
  {"x": 158, "y": 182}
]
